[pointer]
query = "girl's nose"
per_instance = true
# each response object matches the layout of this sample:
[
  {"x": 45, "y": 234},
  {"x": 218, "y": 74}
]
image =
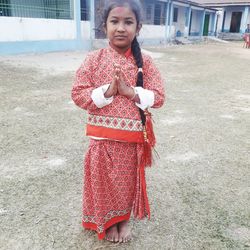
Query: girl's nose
[{"x": 120, "y": 27}]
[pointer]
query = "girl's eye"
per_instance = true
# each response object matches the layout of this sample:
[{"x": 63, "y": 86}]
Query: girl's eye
[
  {"x": 129, "y": 22},
  {"x": 114, "y": 21}
]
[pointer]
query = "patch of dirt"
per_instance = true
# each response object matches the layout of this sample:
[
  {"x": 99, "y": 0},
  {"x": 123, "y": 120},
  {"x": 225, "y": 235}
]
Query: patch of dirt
[{"x": 199, "y": 189}]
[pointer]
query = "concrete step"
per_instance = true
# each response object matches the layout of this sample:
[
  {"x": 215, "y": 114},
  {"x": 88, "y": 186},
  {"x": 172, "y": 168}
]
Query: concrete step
[
  {"x": 182, "y": 40},
  {"x": 230, "y": 36}
]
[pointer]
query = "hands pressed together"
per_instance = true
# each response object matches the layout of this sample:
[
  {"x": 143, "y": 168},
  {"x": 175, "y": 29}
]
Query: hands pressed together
[{"x": 119, "y": 87}]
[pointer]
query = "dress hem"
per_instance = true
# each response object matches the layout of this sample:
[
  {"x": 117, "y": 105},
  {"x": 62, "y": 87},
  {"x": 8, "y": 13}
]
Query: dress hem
[{"x": 115, "y": 220}]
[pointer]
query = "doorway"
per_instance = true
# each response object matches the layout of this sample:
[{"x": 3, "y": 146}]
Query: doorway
[
  {"x": 235, "y": 22},
  {"x": 206, "y": 25}
]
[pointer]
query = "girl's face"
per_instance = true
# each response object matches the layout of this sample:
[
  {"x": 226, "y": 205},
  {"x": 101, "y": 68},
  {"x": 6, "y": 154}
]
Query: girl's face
[{"x": 121, "y": 28}]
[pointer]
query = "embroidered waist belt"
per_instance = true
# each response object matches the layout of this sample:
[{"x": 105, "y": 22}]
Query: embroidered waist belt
[{"x": 121, "y": 129}]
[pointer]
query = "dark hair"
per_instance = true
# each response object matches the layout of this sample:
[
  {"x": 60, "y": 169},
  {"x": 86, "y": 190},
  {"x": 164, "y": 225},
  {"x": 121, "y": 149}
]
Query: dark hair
[{"x": 135, "y": 6}]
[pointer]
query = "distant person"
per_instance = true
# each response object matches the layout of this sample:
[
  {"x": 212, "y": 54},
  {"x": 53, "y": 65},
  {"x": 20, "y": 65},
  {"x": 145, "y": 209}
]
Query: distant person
[
  {"x": 117, "y": 85},
  {"x": 247, "y": 30},
  {"x": 246, "y": 37}
]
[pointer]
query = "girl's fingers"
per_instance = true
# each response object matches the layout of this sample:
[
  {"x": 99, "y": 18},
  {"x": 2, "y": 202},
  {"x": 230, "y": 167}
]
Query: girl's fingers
[
  {"x": 117, "y": 69},
  {"x": 117, "y": 75},
  {"x": 117, "y": 72}
]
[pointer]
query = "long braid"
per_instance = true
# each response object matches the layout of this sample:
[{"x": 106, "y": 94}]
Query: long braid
[{"x": 136, "y": 50}]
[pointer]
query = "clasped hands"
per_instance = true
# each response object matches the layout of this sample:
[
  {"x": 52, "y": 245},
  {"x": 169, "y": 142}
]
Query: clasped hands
[{"x": 118, "y": 86}]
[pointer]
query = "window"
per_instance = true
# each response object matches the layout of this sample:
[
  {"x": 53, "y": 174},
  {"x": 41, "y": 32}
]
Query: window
[
  {"x": 4, "y": 8},
  {"x": 149, "y": 12},
  {"x": 84, "y": 10},
  {"x": 160, "y": 13},
  {"x": 157, "y": 16},
  {"x": 155, "y": 13},
  {"x": 175, "y": 17},
  {"x": 51, "y": 9}
]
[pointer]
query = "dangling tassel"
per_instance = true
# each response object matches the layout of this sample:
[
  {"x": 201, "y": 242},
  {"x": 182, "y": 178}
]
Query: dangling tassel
[
  {"x": 149, "y": 129},
  {"x": 141, "y": 207},
  {"x": 149, "y": 139}
]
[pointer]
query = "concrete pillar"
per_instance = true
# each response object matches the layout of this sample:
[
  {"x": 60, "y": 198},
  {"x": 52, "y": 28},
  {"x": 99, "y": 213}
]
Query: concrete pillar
[
  {"x": 215, "y": 16},
  {"x": 171, "y": 12},
  {"x": 202, "y": 22},
  {"x": 92, "y": 21},
  {"x": 244, "y": 20},
  {"x": 77, "y": 18},
  {"x": 167, "y": 23},
  {"x": 187, "y": 28},
  {"x": 223, "y": 20}
]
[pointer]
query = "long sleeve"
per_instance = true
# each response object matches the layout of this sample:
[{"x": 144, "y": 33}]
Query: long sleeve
[
  {"x": 82, "y": 92},
  {"x": 98, "y": 96},
  {"x": 153, "y": 81},
  {"x": 146, "y": 97}
]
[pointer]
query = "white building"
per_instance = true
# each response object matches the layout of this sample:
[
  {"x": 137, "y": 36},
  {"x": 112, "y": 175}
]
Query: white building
[
  {"x": 235, "y": 14},
  {"x": 52, "y": 25}
]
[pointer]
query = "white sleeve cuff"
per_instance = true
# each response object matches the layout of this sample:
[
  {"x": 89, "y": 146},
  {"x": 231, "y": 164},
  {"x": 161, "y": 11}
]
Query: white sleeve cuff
[
  {"x": 147, "y": 98},
  {"x": 98, "y": 96}
]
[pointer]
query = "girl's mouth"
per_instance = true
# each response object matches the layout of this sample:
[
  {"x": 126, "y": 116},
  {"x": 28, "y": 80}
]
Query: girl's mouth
[{"x": 120, "y": 37}]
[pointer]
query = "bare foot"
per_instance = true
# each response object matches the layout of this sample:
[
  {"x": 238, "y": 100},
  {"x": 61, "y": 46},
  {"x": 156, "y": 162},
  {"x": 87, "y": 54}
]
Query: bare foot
[
  {"x": 124, "y": 231},
  {"x": 112, "y": 234}
]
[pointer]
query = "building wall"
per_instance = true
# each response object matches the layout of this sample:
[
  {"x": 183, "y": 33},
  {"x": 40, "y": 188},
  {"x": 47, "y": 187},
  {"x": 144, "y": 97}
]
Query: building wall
[
  {"x": 178, "y": 27},
  {"x": 85, "y": 30},
  {"x": 39, "y": 34},
  {"x": 244, "y": 26},
  {"x": 34, "y": 29},
  {"x": 152, "y": 34},
  {"x": 196, "y": 23},
  {"x": 29, "y": 35},
  {"x": 229, "y": 11}
]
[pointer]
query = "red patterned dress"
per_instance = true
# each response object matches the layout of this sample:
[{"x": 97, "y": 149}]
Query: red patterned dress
[{"x": 112, "y": 186}]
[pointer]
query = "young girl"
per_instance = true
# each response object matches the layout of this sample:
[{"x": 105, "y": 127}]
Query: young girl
[{"x": 115, "y": 85}]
